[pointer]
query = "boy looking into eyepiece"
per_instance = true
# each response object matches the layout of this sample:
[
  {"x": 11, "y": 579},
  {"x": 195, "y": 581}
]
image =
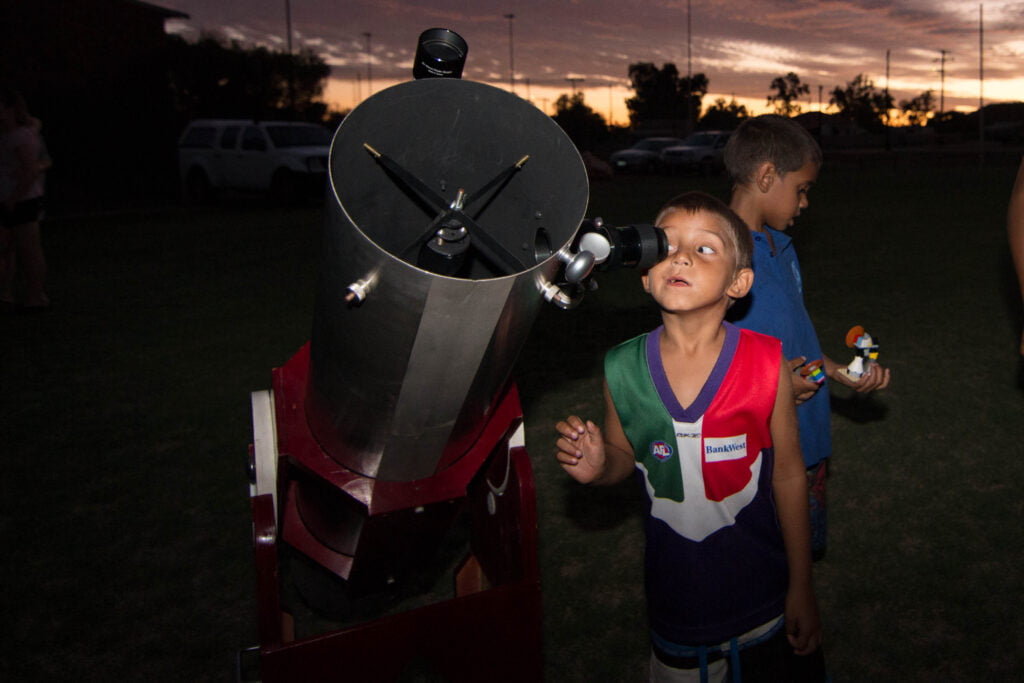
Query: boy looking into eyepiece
[
  {"x": 773, "y": 162},
  {"x": 703, "y": 413}
]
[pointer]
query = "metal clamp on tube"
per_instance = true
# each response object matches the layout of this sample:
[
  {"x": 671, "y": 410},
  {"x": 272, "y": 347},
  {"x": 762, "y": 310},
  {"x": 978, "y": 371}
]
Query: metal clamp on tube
[{"x": 559, "y": 296}]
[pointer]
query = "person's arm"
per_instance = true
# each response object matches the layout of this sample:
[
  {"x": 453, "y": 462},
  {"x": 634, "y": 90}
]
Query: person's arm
[
  {"x": 1015, "y": 231},
  {"x": 591, "y": 457},
  {"x": 875, "y": 379},
  {"x": 789, "y": 485}
]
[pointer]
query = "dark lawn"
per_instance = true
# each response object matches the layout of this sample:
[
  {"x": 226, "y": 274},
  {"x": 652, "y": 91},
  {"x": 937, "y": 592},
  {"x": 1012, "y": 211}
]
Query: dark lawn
[{"x": 124, "y": 422}]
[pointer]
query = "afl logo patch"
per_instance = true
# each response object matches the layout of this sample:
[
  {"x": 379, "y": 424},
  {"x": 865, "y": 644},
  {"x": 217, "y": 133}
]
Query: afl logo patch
[{"x": 661, "y": 450}]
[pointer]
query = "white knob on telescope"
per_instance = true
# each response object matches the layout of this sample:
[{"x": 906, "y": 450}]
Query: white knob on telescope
[{"x": 597, "y": 244}]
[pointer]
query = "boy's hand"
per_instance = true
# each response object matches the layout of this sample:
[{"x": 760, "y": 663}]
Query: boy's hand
[
  {"x": 875, "y": 379},
  {"x": 581, "y": 449},
  {"x": 803, "y": 388},
  {"x": 803, "y": 625}
]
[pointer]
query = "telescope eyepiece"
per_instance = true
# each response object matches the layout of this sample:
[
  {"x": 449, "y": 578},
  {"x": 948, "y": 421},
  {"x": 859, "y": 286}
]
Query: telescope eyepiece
[
  {"x": 440, "y": 53},
  {"x": 633, "y": 246}
]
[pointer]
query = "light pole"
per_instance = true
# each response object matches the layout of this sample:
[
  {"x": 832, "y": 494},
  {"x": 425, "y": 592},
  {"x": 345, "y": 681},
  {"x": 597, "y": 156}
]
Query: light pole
[
  {"x": 291, "y": 63},
  {"x": 689, "y": 70},
  {"x": 942, "y": 80},
  {"x": 288, "y": 24},
  {"x": 574, "y": 80},
  {"x": 981, "y": 85},
  {"x": 369, "y": 61},
  {"x": 511, "y": 54},
  {"x": 819, "y": 113}
]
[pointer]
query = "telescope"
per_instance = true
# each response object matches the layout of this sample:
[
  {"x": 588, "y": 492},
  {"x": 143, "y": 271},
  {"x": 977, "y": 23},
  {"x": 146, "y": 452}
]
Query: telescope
[{"x": 454, "y": 210}]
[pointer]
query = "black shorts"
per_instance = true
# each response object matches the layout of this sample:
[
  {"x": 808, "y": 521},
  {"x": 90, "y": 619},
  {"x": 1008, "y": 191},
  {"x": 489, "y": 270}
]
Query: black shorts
[{"x": 24, "y": 212}]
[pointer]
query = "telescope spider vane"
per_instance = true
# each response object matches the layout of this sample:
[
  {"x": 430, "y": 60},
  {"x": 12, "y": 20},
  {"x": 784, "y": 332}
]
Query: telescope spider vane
[{"x": 451, "y": 220}]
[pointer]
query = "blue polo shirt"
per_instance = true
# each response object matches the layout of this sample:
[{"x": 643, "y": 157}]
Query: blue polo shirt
[{"x": 775, "y": 306}]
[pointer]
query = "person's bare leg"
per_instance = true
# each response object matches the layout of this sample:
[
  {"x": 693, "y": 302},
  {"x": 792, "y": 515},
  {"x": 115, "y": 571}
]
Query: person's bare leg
[
  {"x": 32, "y": 263},
  {"x": 6, "y": 267}
]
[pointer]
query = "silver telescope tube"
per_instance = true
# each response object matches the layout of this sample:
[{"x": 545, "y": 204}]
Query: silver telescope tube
[{"x": 448, "y": 202}]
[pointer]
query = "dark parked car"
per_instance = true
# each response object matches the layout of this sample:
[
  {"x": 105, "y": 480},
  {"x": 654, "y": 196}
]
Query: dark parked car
[
  {"x": 701, "y": 151},
  {"x": 643, "y": 157}
]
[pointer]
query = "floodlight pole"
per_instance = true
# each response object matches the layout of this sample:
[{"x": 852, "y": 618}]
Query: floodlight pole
[
  {"x": 369, "y": 61},
  {"x": 288, "y": 24},
  {"x": 820, "y": 87},
  {"x": 291, "y": 63},
  {"x": 888, "y": 104},
  {"x": 942, "y": 80},
  {"x": 981, "y": 84},
  {"x": 689, "y": 71},
  {"x": 511, "y": 54},
  {"x": 689, "y": 35}
]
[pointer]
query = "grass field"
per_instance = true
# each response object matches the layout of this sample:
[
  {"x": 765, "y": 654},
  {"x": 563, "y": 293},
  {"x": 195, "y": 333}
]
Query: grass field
[{"x": 124, "y": 422}]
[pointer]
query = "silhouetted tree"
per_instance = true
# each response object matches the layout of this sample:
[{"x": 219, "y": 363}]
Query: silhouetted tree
[
  {"x": 724, "y": 115},
  {"x": 862, "y": 103},
  {"x": 584, "y": 126},
  {"x": 918, "y": 108},
  {"x": 788, "y": 90},
  {"x": 215, "y": 78},
  {"x": 663, "y": 93}
]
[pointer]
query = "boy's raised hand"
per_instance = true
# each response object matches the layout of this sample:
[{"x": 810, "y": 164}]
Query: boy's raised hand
[{"x": 580, "y": 449}]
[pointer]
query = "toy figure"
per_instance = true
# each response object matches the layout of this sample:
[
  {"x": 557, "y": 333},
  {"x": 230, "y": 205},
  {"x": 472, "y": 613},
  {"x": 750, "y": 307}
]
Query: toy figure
[
  {"x": 866, "y": 349},
  {"x": 813, "y": 371}
]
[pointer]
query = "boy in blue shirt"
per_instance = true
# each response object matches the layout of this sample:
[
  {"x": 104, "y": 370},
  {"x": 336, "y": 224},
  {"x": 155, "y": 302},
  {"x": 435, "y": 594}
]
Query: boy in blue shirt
[
  {"x": 773, "y": 162},
  {"x": 702, "y": 412}
]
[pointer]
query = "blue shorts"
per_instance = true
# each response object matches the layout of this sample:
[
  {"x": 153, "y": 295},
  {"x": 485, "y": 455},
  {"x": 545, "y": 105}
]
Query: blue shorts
[{"x": 765, "y": 658}]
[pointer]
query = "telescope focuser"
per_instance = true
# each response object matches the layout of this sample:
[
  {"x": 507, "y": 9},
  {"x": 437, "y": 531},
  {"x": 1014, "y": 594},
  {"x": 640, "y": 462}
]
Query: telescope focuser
[{"x": 598, "y": 247}]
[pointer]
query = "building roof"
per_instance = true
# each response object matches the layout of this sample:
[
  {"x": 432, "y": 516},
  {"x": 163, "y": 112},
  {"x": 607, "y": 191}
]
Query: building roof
[{"x": 162, "y": 11}]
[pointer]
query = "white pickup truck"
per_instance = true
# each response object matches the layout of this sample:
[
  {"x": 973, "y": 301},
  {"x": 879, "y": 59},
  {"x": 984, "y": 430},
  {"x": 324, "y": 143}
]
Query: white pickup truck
[{"x": 284, "y": 158}]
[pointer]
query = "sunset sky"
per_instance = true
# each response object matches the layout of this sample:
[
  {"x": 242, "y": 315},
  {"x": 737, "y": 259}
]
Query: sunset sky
[{"x": 739, "y": 45}]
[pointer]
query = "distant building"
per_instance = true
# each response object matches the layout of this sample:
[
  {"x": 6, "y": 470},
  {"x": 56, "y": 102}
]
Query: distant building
[
  {"x": 93, "y": 72},
  {"x": 829, "y": 125}
]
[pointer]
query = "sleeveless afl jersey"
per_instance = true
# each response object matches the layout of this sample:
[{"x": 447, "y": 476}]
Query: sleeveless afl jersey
[{"x": 715, "y": 564}]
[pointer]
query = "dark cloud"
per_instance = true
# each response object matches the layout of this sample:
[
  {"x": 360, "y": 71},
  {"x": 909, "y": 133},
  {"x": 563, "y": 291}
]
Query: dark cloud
[{"x": 741, "y": 46}]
